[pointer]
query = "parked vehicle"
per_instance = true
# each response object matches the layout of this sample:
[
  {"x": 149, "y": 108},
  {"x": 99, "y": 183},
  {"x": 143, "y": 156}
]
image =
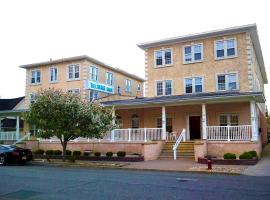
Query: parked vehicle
[{"x": 12, "y": 153}]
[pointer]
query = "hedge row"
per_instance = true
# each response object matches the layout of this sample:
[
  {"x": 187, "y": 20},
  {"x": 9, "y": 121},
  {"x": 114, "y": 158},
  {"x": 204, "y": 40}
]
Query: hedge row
[{"x": 245, "y": 155}]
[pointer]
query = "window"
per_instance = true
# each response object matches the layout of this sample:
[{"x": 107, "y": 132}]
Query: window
[
  {"x": 228, "y": 120},
  {"x": 33, "y": 98},
  {"x": 73, "y": 72},
  {"x": 74, "y": 91},
  {"x": 227, "y": 82},
  {"x": 164, "y": 87},
  {"x": 139, "y": 87},
  {"x": 53, "y": 74},
  {"x": 169, "y": 127},
  {"x": 35, "y": 77},
  {"x": 119, "y": 121},
  {"x": 93, "y": 95},
  {"x": 225, "y": 48},
  {"x": 193, "y": 53},
  {"x": 134, "y": 121},
  {"x": 193, "y": 85},
  {"x": 128, "y": 85},
  {"x": 93, "y": 73},
  {"x": 109, "y": 78},
  {"x": 163, "y": 57}
]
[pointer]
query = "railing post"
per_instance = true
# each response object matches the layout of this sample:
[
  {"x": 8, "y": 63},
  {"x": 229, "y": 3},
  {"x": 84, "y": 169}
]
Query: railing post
[
  {"x": 174, "y": 154},
  {"x": 145, "y": 138},
  {"x": 129, "y": 134},
  {"x": 204, "y": 121},
  {"x": 228, "y": 131},
  {"x": 164, "y": 123},
  {"x": 112, "y": 136}
]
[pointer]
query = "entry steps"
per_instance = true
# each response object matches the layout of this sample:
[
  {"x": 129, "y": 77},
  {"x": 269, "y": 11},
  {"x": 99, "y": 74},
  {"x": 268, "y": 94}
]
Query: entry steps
[{"x": 184, "y": 150}]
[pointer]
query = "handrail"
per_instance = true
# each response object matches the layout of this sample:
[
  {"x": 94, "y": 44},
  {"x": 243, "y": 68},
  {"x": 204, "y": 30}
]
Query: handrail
[
  {"x": 181, "y": 137},
  {"x": 23, "y": 138}
]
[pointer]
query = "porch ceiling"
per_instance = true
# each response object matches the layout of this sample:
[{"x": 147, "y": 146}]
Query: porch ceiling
[
  {"x": 187, "y": 99},
  {"x": 8, "y": 113}
]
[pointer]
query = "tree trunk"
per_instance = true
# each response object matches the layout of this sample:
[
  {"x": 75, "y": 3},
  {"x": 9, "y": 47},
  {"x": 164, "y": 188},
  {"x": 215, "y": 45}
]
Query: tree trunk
[{"x": 64, "y": 145}]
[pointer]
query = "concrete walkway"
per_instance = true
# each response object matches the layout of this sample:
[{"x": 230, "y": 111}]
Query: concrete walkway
[
  {"x": 263, "y": 167},
  {"x": 184, "y": 165}
]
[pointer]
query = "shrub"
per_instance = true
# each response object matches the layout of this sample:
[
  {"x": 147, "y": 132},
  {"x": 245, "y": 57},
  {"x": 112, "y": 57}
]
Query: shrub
[
  {"x": 245, "y": 155},
  {"x": 1, "y": 142},
  {"x": 57, "y": 152},
  {"x": 39, "y": 152},
  {"x": 253, "y": 153},
  {"x": 87, "y": 153},
  {"x": 229, "y": 156},
  {"x": 97, "y": 154},
  {"x": 109, "y": 154},
  {"x": 68, "y": 153},
  {"x": 121, "y": 154},
  {"x": 76, "y": 153},
  {"x": 71, "y": 159},
  {"x": 49, "y": 152}
]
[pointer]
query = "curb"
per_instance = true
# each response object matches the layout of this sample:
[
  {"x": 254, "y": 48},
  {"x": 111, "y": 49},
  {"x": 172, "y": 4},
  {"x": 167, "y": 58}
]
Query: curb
[{"x": 131, "y": 169}]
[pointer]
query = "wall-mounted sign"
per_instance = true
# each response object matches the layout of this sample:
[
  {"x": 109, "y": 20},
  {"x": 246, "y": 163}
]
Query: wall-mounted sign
[{"x": 91, "y": 85}]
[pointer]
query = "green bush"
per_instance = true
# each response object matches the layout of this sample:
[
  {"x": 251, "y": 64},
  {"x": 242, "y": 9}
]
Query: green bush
[
  {"x": 57, "y": 152},
  {"x": 245, "y": 155},
  {"x": 109, "y": 154},
  {"x": 39, "y": 152},
  {"x": 76, "y": 153},
  {"x": 1, "y": 142},
  {"x": 253, "y": 153},
  {"x": 229, "y": 156},
  {"x": 97, "y": 154},
  {"x": 49, "y": 152},
  {"x": 71, "y": 159},
  {"x": 68, "y": 153},
  {"x": 121, "y": 154},
  {"x": 87, "y": 153}
]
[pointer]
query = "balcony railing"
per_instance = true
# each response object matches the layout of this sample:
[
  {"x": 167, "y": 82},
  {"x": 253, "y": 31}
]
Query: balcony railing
[{"x": 229, "y": 133}]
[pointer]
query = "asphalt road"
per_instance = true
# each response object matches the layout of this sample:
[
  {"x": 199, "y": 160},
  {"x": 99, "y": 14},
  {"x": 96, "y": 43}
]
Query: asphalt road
[{"x": 46, "y": 183}]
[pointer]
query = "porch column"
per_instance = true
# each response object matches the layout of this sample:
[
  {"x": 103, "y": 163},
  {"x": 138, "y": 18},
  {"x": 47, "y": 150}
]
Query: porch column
[
  {"x": 112, "y": 132},
  {"x": 254, "y": 120},
  {"x": 164, "y": 123},
  {"x": 204, "y": 122},
  {"x": 17, "y": 127}
]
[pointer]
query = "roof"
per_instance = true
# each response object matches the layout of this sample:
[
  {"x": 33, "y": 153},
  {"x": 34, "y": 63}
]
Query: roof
[
  {"x": 186, "y": 98},
  {"x": 251, "y": 28},
  {"x": 82, "y": 57},
  {"x": 9, "y": 104}
]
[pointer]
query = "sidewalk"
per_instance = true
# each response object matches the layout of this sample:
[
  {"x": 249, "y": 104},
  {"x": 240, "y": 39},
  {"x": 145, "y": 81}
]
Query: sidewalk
[{"x": 263, "y": 166}]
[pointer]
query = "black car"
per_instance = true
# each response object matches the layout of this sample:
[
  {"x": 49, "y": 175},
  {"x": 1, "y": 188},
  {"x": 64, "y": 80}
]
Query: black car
[{"x": 12, "y": 153}]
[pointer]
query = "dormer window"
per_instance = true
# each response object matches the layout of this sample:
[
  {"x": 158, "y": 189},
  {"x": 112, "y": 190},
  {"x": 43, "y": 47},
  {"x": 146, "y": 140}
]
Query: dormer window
[
  {"x": 163, "y": 57},
  {"x": 225, "y": 48},
  {"x": 193, "y": 53}
]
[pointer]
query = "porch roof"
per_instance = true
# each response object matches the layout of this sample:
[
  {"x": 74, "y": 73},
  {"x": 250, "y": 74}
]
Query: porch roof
[{"x": 212, "y": 97}]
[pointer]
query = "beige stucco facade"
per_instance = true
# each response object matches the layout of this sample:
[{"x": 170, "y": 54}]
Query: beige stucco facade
[{"x": 119, "y": 79}]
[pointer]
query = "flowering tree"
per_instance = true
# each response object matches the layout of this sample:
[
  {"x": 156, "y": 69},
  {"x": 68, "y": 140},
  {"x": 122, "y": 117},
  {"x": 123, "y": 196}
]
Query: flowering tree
[{"x": 67, "y": 117}]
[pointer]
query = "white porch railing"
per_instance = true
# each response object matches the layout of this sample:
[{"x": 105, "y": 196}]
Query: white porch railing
[
  {"x": 229, "y": 133},
  {"x": 8, "y": 135},
  {"x": 122, "y": 135},
  {"x": 181, "y": 137}
]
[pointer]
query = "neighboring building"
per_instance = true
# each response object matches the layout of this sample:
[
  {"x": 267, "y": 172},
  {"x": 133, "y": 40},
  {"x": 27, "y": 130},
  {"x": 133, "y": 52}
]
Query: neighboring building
[
  {"x": 82, "y": 75},
  {"x": 210, "y": 84}
]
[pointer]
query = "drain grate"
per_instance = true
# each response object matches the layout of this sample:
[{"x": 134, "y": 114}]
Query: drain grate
[
  {"x": 21, "y": 194},
  {"x": 186, "y": 179}
]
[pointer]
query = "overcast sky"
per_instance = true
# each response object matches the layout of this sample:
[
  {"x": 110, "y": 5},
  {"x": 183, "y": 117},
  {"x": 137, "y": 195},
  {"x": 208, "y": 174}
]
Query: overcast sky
[{"x": 35, "y": 31}]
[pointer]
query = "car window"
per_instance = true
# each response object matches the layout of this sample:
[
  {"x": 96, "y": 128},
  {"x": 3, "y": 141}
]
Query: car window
[{"x": 3, "y": 148}]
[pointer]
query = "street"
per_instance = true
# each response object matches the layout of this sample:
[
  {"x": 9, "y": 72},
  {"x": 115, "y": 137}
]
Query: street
[{"x": 46, "y": 183}]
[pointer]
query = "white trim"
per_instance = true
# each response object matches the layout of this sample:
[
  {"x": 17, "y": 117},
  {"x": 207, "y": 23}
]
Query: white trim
[
  {"x": 128, "y": 80},
  {"x": 163, "y": 58},
  {"x": 73, "y": 71},
  {"x": 73, "y": 90},
  {"x": 226, "y": 81},
  {"x": 225, "y": 48},
  {"x": 192, "y": 45},
  {"x": 96, "y": 74},
  {"x": 57, "y": 80},
  {"x": 108, "y": 72},
  {"x": 163, "y": 87}
]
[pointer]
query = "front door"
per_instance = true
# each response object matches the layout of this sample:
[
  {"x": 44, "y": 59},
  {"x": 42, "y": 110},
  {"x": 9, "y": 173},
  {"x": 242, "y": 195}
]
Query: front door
[{"x": 195, "y": 127}]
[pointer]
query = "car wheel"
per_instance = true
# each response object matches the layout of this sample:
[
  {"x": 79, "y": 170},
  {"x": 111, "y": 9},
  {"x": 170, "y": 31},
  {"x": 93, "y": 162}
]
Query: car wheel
[{"x": 2, "y": 160}]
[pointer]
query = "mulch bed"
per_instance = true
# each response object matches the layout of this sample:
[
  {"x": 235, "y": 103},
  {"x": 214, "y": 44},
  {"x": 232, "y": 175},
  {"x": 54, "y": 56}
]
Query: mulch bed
[
  {"x": 94, "y": 158},
  {"x": 218, "y": 161}
]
